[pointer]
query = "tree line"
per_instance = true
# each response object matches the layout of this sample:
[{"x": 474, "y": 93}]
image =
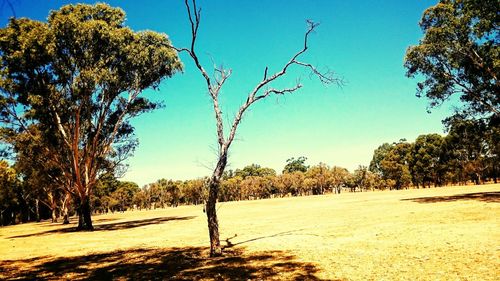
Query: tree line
[{"x": 468, "y": 153}]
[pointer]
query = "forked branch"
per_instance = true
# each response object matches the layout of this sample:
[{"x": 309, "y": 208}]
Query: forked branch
[{"x": 261, "y": 91}]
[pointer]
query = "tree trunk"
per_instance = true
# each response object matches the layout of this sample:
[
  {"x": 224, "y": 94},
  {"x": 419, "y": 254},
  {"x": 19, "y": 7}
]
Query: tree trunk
[
  {"x": 54, "y": 215},
  {"x": 37, "y": 210},
  {"x": 65, "y": 215},
  {"x": 84, "y": 215},
  {"x": 64, "y": 208},
  {"x": 213, "y": 223}
]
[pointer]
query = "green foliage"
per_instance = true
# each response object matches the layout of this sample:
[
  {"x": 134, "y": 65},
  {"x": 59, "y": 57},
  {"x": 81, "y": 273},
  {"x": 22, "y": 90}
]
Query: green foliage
[
  {"x": 459, "y": 54},
  {"x": 425, "y": 164},
  {"x": 254, "y": 170},
  {"x": 295, "y": 165},
  {"x": 467, "y": 147},
  {"x": 378, "y": 155},
  {"x": 8, "y": 186},
  {"x": 78, "y": 77},
  {"x": 395, "y": 164}
]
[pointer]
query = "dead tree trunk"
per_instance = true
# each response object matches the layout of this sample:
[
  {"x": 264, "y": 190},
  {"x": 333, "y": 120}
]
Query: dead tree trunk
[{"x": 261, "y": 91}]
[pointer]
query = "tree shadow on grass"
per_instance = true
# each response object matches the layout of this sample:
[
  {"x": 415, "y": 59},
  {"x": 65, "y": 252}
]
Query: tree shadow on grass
[
  {"x": 110, "y": 226},
  {"x": 49, "y": 223},
  {"x": 230, "y": 244},
  {"x": 488, "y": 197},
  {"x": 189, "y": 263}
]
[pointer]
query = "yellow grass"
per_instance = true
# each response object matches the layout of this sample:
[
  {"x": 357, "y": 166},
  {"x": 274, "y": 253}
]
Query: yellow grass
[{"x": 450, "y": 233}]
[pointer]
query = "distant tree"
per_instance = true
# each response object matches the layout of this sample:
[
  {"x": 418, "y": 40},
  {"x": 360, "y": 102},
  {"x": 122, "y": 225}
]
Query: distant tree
[
  {"x": 194, "y": 191},
  {"x": 290, "y": 183},
  {"x": 322, "y": 176},
  {"x": 468, "y": 148},
  {"x": 262, "y": 90},
  {"x": 79, "y": 77},
  {"x": 362, "y": 179},
  {"x": 395, "y": 165},
  {"x": 254, "y": 170},
  {"x": 230, "y": 189},
  {"x": 493, "y": 140},
  {"x": 295, "y": 165},
  {"x": 8, "y": 197},
  {"x": 459, "y": 54},
  {"x": 378, "y": 156},
  {"x": 140, "y": 200},
  {"x": 124, "y": 195},
  {"x": 42, "y": 181},
  {"x": 425, "y": 163},
  {"x": 338, "y": 177}
]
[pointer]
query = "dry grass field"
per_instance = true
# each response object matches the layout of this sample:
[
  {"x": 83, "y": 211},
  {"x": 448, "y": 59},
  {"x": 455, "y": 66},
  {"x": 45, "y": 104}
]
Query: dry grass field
[{"x": 450, "y": 233}]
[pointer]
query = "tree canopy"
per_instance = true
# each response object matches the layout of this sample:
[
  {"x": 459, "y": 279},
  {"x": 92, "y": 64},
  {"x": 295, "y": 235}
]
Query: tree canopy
[
  {"x": 78, "y": 78},
  {"x": 459, "y": 55}
]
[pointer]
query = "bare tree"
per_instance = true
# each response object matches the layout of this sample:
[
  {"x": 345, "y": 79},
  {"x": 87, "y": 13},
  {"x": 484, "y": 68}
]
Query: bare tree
[{"x": 262, "y": 90}]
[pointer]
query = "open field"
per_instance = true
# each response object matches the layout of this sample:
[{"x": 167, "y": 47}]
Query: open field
[{"x": 450, "y": 233}]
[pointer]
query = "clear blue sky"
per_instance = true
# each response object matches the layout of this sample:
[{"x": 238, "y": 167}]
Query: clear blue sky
[{"x": 363, "y": 41}]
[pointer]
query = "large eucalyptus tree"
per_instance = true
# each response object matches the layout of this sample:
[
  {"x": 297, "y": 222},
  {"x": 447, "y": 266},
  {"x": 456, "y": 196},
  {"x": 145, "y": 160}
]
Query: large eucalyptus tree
[{"x": 78, "y": 77}]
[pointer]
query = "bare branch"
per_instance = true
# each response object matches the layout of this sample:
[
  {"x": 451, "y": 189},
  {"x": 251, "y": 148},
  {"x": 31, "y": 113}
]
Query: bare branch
[
  {"x": 278, "y": 92},
  {"x": 326, "y": 77}
]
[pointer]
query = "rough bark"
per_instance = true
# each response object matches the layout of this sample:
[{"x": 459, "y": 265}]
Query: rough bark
[
  {"x": 64, "y": 208},
  {"x": 84, "y": 215},
  {"x": 213, "y": 223}
]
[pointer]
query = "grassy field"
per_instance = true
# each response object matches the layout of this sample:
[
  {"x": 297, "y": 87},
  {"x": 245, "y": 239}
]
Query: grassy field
[{"x": 450, "y": 233}]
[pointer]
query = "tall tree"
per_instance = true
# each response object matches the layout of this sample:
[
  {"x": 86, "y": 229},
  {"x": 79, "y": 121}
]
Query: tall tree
[
  {"x": 79, "y": 77},
  {"x": 459, "y": 54},
  {"x": 395, "y": 165},
  {"x": 338, "y": 178},
  {"x": 262, "y": 90},
  {"x": 467, "y": 144},
  {"x": 425, "y": 160},
  {"x": 8, "y": 198},
  {"x": 379, "y": 155}
]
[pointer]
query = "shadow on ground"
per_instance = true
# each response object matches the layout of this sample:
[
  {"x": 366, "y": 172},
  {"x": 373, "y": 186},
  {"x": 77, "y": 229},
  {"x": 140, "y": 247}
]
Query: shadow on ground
[
  {"x": 110, "y": 226},
  {"x": 190, "y": 263},
  {"x": 489, "y": 197},
  {"x": 49, "y": 223}
]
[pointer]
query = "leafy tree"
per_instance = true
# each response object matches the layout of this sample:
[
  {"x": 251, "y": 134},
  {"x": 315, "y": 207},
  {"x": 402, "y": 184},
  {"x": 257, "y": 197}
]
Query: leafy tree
[
  {"x": 459, "y": 55},
  {"x": 124, "y": 195},
  {"x": 290, "y": 183},
  {"x": 230, "y": 189},
  {"x": 295, "y": 165},
  {"x": 254, "y": 170},
  {"x": 79, "y": 77},
  {"x": 467, "y": 147},
  {"x": 322, "y": 177},
  {"x": 140, "y": 200},
  {"x": 42, "y": 182},
  {"x": 379, "y": 155},
  {"x": 425, "y": 163},
  {"x": 395, "y": 165},
  {"x": 194, "y": 191},
  {"x": 8, "y": 198},
  {"x": 339, "y": 177}
]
